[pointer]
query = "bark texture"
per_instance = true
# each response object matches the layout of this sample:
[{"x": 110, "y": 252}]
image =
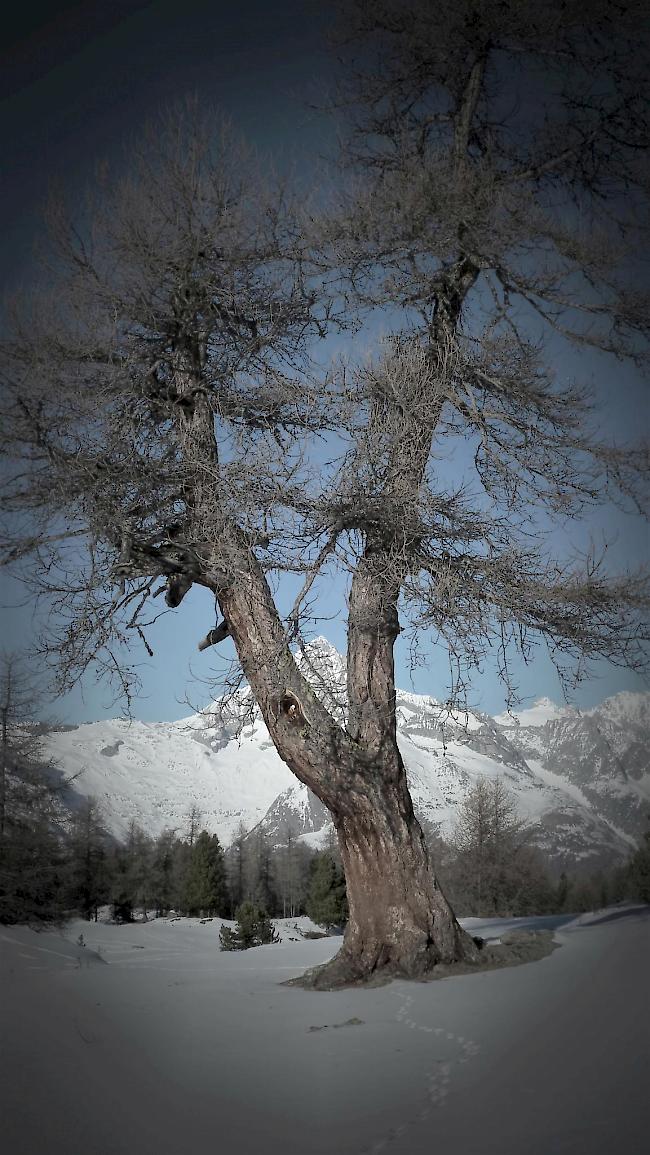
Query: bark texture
[{"x": 400, "y": 922}]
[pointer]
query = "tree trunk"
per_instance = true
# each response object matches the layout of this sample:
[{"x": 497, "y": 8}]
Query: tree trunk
[{"x": 400, "y": 923}]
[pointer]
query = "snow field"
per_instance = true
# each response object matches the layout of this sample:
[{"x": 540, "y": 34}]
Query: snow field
[{"x": 150, "y": 1039}]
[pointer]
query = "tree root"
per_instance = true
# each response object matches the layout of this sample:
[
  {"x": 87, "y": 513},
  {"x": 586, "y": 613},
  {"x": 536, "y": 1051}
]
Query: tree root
[{"x": 343, "y": 971}]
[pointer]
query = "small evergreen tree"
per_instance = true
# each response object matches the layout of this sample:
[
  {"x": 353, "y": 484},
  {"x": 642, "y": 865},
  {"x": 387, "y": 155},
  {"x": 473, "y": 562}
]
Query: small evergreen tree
[
  {"x": 139, "y": 849},
  {"x": 584, "y": 895},
  {"x": 132, "y": 883},
  {"x": 326, "y": 901},
  {"x": 206, "y": 891},
  {"x": 261, "y": 875},
  {"x": 181, "y": 860},
  {"x": 33, "y": 861},
  {"x": 291, "y": 865},
  {"x": 237, "y": 868},
  {"x": 254, "y": 928},
  {"x": 163, "y": 872},
  {"x": 32, "y": 842},
  {"x": 192, "y": 824},
  {"x": 121, "y": 897}
]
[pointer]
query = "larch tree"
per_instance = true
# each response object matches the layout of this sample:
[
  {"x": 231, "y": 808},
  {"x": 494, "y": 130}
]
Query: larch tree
[
  {"x": 88, "y": 847},
  {"x": 168, "y": 422},
  {"x": 32, "y": 816},
  {"x": 497, "y": 869}
]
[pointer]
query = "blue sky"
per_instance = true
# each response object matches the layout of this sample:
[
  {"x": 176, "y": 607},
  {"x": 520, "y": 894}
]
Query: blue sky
[{"x": 78, "y": 79}]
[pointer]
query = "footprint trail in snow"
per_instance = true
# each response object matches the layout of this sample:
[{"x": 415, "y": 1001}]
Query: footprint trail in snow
[{"x": 437, "y": 1076}]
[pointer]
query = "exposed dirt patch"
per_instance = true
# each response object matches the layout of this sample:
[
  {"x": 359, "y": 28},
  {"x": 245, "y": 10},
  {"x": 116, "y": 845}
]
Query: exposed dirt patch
[
  {"x": 515, "y": 949},
  {"x": 353, "y": 1022}
]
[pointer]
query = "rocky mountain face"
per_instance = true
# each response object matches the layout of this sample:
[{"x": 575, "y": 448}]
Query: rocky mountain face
[{"x": 581, "y": 778}]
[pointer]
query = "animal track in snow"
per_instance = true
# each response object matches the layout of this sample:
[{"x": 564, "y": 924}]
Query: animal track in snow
[{"x": 437, "y": 1077}]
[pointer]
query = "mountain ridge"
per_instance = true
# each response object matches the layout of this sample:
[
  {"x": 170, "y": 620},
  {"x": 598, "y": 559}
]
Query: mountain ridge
[{"x": 581, "y": 777}]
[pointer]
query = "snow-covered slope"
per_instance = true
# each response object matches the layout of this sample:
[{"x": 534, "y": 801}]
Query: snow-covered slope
[
  {"x": 154, "y": 773},
  {"x": 583, "y": 778}
]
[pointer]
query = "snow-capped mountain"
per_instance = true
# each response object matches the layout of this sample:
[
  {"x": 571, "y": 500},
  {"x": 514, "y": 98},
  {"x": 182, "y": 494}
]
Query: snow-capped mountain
[{"x": 581, "y": 777}]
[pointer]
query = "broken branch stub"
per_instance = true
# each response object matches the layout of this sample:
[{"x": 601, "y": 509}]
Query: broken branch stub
[{"x": 215, "y": 636}]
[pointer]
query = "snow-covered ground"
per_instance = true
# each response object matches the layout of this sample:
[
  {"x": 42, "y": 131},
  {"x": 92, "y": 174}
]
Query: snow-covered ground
[{"x": 176, "y": 1047}]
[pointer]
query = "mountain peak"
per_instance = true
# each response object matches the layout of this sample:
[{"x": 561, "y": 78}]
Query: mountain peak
[
  {"x": 325, "y": 668},
  {"x": 543, "y": 710},
  {"x": 628, "y": 707},
  {"x": 322, "y": 658},
  {"x": 321, "y": 645}
]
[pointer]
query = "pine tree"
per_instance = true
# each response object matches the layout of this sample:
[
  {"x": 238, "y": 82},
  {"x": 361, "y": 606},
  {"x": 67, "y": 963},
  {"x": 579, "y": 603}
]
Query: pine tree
[
  {"x": 206, "y": 891},
  {"x": 326, "y": 901},
  {"x": 132, "y": 883},
  {"x": 193, "y": 823},
  {"x": 237, "y": 868},
  {"x": 32, "y": 854},
  {"x": 261, "y": 875},
  {"x": 164, "y": 871},
  {"x": 140, "y": 855},
  {"x": 562, "y": 893},
  {"x": 254, "y": 928},
  {"x": 291, "y": 872},
  {"x": 88, "y": 860}
]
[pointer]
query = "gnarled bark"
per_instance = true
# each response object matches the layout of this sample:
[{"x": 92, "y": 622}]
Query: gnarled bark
[{"x": 400, "y": 923}]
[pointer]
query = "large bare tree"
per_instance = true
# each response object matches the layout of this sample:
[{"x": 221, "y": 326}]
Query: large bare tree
[{"x": 170, "y": 424}]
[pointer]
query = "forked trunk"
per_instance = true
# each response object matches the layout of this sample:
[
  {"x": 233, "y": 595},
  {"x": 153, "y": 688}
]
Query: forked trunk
[{"x": 400, "y": 922}]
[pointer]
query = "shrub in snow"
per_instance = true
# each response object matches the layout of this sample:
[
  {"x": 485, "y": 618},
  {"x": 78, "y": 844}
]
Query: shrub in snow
[
  {"x": 122, "y": 910},
  {"x": 253, "y": 928}
]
